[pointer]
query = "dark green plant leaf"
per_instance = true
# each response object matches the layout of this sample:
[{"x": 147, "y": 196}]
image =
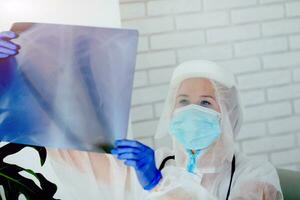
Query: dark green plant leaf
[
  {"x": 12, "y": 148},
  {"x": 15, "y": 184},
  {"x": 46, "y": 186}
]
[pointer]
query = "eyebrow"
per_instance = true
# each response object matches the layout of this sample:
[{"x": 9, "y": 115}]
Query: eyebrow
[
  {"x": 185, "y": 95},
  {"x": 182, "y": 95},
  {"x": 208, "y": 96}
]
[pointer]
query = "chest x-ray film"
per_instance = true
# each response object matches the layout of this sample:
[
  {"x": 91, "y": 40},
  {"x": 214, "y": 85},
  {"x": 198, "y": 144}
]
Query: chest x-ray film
[{"x": 69, "y": 87}]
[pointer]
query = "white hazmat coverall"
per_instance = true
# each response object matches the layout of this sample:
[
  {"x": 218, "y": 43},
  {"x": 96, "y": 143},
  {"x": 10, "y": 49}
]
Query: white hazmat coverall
[{"x": 220, "y": 170}]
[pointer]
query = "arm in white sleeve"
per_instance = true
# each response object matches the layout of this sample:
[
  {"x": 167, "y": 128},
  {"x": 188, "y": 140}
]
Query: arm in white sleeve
[{"x": 256, "y": 180}]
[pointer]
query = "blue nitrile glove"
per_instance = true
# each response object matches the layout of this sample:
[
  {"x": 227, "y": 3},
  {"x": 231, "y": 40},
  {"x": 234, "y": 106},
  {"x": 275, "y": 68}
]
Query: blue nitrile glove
[
  {"x": 141, "y": 157},
  {"x": 8, "y": 48}
]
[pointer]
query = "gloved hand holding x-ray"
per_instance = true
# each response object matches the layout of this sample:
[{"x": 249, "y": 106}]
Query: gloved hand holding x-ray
[{"x": 66, "y": 86}]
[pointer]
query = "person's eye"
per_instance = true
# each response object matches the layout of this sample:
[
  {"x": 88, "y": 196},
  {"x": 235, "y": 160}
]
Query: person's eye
[
  {"x": 205, "y": 103},
  {"x": 184, "y": 102}
]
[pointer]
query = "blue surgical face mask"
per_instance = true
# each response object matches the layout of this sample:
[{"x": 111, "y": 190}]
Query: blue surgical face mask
[{"x": 195, "y": 127}]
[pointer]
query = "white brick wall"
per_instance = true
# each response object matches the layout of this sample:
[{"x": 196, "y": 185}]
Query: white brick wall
[
  {"x": 155, "y": 59},
  {"x": 297, "y": 106},
  {"x": 264, "y": 79},
  {"x": 285, "y": 59},
  {"x": 296, "y": 75},
  {"x": 267, "y": 111},
  {"x": 133, "y": 10},
  {"x": 269, "y": 144},
  {"x": 202, "y": 20},
  {"x": 139, "y": 113},
  {"x": 143, "y": 44},
  {"x": 261, "y": 46},
  {"x": 151, "y": 25},
  {"x": 161, "y": 75},
  {"x": 173, "y": 40},
  {"x": 269, "y": 1},
  {"x": 286, "y": 157},
  {"x": 284, "y": 125},
  {"x": 226, "y": 4},
  {"x": 257, "y": 129},
  {"x": 281, "y": 27},
  {"x": 294, "y": 41},
  {"x": 149, "y": 94},
  {"x": 216, "y": 52},
  {"x": 242, "y": 65},
  {"x": 140, "y": 79},
  {"x": 293, "y": 9},
  {"x": 165, "y": 7},
  {"x": 284, "y": 92},
  {"x": 259, "y": 13},
  {"x": 258, "y": 40},
  {"x": 233, "y": 33},
  {"x": 253, "y": 97}
]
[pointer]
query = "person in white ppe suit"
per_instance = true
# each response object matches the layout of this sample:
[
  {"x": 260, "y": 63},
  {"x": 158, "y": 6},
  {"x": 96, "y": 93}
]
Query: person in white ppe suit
[
  {"x": 202, "y": 115},
  {"x": 203, "y": 112}
]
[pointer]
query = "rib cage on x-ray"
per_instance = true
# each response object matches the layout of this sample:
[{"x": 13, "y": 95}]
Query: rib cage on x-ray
[{"x": 78, "y": 82}]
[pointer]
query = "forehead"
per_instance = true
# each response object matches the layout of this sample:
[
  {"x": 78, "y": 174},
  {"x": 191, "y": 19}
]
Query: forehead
[{"x": 196, "y": 86}]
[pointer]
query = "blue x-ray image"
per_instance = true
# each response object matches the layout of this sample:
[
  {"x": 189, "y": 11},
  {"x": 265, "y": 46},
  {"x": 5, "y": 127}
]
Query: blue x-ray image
[{"x": 69, "y": 87}]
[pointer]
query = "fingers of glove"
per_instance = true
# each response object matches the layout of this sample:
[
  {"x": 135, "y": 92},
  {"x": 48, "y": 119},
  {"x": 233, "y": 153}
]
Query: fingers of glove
[
  {"x": 137, "y": 164},
  {"x": 2, "y": 55},
  {"x": 8, "y": 45},
  {"x": 128, "y": 156},
  {"x": 121, "y": 150},
  {"x": 8, "y": 34},
  {"x": 131, "y": 163},
  {"x": 130, "y": 143},
  {"x": 7, "y": 51}
]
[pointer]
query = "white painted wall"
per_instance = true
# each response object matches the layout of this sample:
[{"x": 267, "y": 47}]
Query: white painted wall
[{"x": 74, "y": 12}]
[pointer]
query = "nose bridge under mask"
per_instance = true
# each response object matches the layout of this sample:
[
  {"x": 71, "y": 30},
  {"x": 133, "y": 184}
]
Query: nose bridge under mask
[{"x": 198, "y": 108}]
